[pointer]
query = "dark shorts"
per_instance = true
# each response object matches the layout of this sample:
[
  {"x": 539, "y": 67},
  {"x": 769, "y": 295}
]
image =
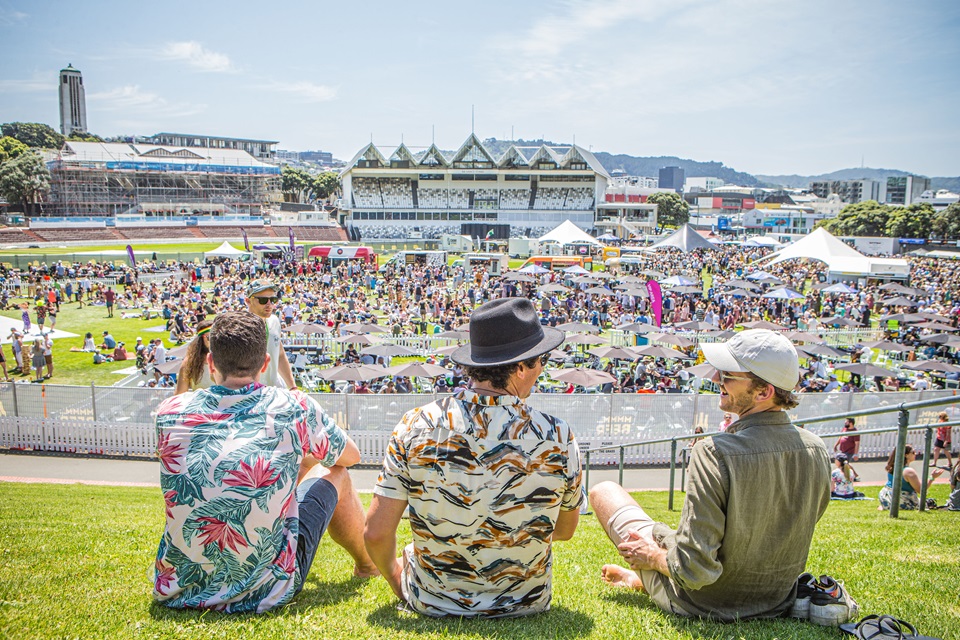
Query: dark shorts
[
  {"x": 941, "y": 444},
  {"x": 318, "y": 499}
]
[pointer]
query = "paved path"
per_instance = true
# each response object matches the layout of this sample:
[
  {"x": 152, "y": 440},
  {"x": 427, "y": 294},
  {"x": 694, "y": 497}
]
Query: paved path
[{"x": 136, "y": 473}]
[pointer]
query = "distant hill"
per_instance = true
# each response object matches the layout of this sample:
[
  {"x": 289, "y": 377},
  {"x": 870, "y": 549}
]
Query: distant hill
[
  {"x": 800, "y": 182},
  {"x": 651, "y": 165}
]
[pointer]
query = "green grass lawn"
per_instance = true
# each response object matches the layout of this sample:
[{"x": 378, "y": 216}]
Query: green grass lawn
[{"x": 76, "y": 563}]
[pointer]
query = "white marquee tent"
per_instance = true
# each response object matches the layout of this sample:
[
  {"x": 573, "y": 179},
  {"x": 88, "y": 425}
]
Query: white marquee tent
[
  {"x": 685, "y": 239},
  {"x": 569, "y": 233},
  {"x": 226, "y": 250},
  {"x": 842, "y": 259}
]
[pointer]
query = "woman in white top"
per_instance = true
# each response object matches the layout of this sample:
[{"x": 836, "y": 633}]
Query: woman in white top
[{"x": 195, "y": 372}]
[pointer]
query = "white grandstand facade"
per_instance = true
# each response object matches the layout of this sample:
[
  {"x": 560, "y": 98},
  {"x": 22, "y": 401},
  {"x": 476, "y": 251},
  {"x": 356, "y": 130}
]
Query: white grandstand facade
[{"x": 429, "y": 193}]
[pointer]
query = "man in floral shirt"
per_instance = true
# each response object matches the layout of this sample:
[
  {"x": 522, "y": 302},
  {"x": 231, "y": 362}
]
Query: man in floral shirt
[{"x": 251, "y": 476}]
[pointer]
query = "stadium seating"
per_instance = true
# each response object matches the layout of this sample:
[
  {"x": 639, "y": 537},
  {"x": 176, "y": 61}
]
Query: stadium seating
[{"x": 515, "y": 199}]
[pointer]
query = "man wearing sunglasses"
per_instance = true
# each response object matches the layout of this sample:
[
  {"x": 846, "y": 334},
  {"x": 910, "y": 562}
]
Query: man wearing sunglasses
[
  {"x": 754, "y": 496},
  {"x": 490, "y": 482},
  {"x": 262, "y": 301}
]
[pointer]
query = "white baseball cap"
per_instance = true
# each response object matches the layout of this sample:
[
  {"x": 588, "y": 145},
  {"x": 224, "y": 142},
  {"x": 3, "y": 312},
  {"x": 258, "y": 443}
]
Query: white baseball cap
[{"x": 766, "y": 354}]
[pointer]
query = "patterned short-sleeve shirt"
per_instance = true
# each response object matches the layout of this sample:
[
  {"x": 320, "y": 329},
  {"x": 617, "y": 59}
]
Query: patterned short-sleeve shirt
[
  {"x": 485, "y": 478},
  {"x": 228, "y": 470}
]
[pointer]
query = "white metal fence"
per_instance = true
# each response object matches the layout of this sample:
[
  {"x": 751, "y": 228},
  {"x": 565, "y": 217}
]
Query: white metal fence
[{"x": 120, "y": 421}]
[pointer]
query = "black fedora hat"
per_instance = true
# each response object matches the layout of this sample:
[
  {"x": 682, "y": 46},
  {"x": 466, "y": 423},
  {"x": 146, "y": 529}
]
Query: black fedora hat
[{"x": 506, "y": 331}]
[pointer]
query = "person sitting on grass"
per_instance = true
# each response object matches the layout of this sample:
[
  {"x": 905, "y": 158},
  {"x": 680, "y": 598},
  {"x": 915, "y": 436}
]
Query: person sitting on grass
[
  {"x": 109, "y": 342},
  {"x": 88, "y": 345},
  {"x": 252, "y": 476},
  {"x": 843, "y": 479},
  {"x": 910, "y": 483}
]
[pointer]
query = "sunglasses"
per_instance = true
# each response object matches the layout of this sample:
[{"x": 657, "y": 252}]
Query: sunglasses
[
  {"x": 544, "y": 359},
  {"x": 724, "y": 377},
  {"x": 267, "y": 300}
]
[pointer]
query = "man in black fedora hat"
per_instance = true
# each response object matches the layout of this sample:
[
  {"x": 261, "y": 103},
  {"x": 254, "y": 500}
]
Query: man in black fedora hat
[{"x": 490, "y": 482}]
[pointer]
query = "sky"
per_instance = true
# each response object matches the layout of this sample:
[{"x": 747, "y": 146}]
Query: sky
[{"x": 767, "y": 87}]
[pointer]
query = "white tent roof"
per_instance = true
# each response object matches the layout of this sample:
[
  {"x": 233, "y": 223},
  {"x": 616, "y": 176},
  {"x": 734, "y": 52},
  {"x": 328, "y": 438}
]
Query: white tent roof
[
  {"x": 839, "y": 256},
  {"x": 569, "y": 233},
  {"x": 685, "y": 239},
  {"x": 226, "y": 250}
]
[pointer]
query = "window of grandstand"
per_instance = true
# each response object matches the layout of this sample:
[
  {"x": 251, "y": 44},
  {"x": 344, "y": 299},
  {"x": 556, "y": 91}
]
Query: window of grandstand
[
  {"x": 545, "y": 165},
  {"x": 517, "y": 176},
  {"x": 431, "y": 176}
]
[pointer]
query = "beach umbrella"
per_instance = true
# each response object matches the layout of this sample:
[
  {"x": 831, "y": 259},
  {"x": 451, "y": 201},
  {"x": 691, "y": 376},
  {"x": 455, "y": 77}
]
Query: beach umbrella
[
  {"x": 803, "y": 336},
  {"x": 899, "y": 301},
  {"x": 671, "y": 338},
  {"x": 600, "y": 291},
  {"x": 763, "y": 324},
  {"x": 353, "y": 372},
  {"x": 661, "y": 352},
  {"x": 784, "y": 293},
  {"x": 840, "y": 320},
  {"x": 417, "y": 370},
  {"x": 388, "y": 350},
  {"x": 582, "y": 377},
  {"x": 583, "y": 338},
  {"x": 518, "y": 277},
  {"x": 614, "y": 353},
  {"x": 638, "y": 327},
  {"x": 308, "y": 328},
  {"x": 576, "y": 270},
  {"x": 839, "y": 288},
  {"x": 865, "y": 369},
  {"x": 677, "y": 281},
  {"x": 819, "y": 350},
  {"x": 886, "y": 345},
  {"x": 574, "y": 327},
  {"x": 357, "y": 338},
  {"x": 363, "y": 327},
  {"x": 533, "y": 269},
  {"x": 696, "y": 325},
  {"x": 553, "y": 287}
]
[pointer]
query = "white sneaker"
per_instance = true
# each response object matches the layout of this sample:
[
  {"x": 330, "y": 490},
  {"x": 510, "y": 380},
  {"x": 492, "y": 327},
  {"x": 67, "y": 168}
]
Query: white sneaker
[{"x": 831, "y": 604}]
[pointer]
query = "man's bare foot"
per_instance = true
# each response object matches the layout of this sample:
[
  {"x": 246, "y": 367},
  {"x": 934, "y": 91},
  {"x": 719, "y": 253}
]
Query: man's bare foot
[
  {"x": 617, "y": 576},
  {"x": 365, "y": 572}
]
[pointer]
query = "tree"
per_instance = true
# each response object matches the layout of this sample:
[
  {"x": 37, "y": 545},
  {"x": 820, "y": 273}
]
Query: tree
[
  {"x": 946, "y": 224},
  {"x": 915, "y": 221},
  {"x": 672, "y": 210},
  {"x": 80, "y": 136},
  {"x": 10, "y": 148},
  {"x": 295, "y": 183},
  {"x": 24, "y": 179},
  {"x": 867, "y": 218},
  {"x": 326, "y": 184},
  {"x": 33, "y": 134}
]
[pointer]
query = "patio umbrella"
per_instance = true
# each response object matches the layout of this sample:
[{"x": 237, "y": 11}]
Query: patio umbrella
[
  {"x": 599, "y": 291},
  {"x": 170, "y": 367},
  {"x": 607, "y": 237},
  {"x": 178, "y": 352},
  {"x": 417, "y": 370},
  {"x": 661, "y": 352},
  {"x": 688, "y": 290},
  {"x": 726, "y": 334},
  {"x": 899, "y": 301},
  {"x": 904, "y": 317},
  {"x": 638, "y": 327},
  {"x": 745, "y": 293},
  {"x": 840, "y": 320},
  {"x": 518, "y": 277},
  {"x": 671, "y": 338},
  {"x": 896, "y": 287},
  {"x": 763, "y": 324},
  {"x": 445, "y": 351},
  {"x": 839, "y": 288},
  {"x": 935, "y": 326},
  {"x": 740, "y": 284},
  {"x": 941, "y": 338},
  {"x": 388, "y": 350},
  {"x": 574, "y": 327},
  {"x": 929, "y": 315},
  {"x": 582, "y": 377},
  {"x": 819, "y": 350},
  {"x": 696, "y": 325},
  {"x": 886, "y": 345},
  {"x": 308, "y": 328},
  {"x": 357, "y": 338},
  {"x": 533, "y": 269},
  {"x": 677, "y": 281},
  {"x": 639, "y": 292},
  {"x": 603, "y": 275},
  {"x": 932, "y": 365},
  {"x": 614, "y": 353},
  {"x": 866, "y": 369},
  {"x": 803, "y": 336},
  {"x": 653, "y": 273},
  {"x": 456, "y": 335},
  {"x": 576, "y": 270},
  {"x": 760, "y": 275},
  {"x": 583, "y": 338},
  {"x": 784, "y": 293},
  {"x": 585, "y": 280},
  {"x": 353, "y": 372},
  {"x": 705, "y": 370},
  {"x": 553, "y": 287},
  {"x": 364, "y": 327}
]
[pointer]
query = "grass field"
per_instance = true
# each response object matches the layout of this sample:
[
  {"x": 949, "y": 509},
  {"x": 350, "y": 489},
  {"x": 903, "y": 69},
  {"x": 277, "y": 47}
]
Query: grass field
[{"x": 76, "y": 563}]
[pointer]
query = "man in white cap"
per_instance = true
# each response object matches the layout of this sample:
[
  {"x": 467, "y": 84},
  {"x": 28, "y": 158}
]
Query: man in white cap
[
  {"x": 490, "y": 482},
  {"x": 754, "y": 496},
  {"x": 262, "y": 301}
]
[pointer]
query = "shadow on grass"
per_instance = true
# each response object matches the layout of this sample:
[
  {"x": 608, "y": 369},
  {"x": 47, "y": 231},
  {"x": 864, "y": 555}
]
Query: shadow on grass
[{"x": 558, "y": 622}]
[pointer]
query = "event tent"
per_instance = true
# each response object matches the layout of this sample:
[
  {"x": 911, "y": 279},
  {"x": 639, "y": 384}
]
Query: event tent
[
  {"x": 841, "y": 258},
  {"x": 226, "y": 250},
  {"x": 685, "y": 239},
  {"x": 569, "y": 233}
]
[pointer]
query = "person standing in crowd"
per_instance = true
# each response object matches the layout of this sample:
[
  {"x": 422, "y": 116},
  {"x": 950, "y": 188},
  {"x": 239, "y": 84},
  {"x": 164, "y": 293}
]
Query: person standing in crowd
[
  {"x": 3, "y": 365},
  {"x": 849, "y": 445},
  {"x": 37, "y": 360},
  {"x": 710, "y": 566},
  {"x": 252, "y": 477},
  {"x": 727, "y": 421},
  {"x": 490, "y": 482},
  {"x": 16, "y": 340},
  {"x": 262, "y": 300},
  {"x": 943, "y": 443},
  {"x": 48, "y": 355}
]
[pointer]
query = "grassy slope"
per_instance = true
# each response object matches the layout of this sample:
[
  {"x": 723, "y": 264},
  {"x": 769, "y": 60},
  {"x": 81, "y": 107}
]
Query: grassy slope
[{"x": 78, "y": 567}]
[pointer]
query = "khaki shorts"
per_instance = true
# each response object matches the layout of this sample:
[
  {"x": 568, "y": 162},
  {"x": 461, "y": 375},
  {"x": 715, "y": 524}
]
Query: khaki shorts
[{"x": 634, "y": 518}]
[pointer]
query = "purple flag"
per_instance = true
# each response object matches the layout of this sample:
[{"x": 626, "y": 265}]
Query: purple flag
[
  {"x": 133, "y": 259},
  {"x": 656, "y": 300},
  {"x": 292, "y": 243},
  {"x": 246, "y": 241}
]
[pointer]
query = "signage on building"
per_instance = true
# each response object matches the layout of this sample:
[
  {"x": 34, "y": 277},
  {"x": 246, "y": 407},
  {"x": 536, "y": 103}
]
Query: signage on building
[{"x": 723, "y": 223}]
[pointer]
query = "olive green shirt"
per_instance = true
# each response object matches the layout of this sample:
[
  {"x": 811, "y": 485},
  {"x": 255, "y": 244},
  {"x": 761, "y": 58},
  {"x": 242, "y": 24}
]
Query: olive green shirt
[{"x": 754, "y": 496}]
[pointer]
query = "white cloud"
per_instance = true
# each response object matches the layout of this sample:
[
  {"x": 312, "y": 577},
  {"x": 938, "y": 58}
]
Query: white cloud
[
  {"x": 303, "y": 91},
  {"x": 131, "y": 99},
  {"x": 28, "y": 86},
  {"x": 10, "y": 17},
  {"x": 196, "y": 56}
]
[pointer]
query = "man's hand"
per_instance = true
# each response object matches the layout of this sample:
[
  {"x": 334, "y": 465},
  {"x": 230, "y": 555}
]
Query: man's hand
[{"x": 643, "y": 554}]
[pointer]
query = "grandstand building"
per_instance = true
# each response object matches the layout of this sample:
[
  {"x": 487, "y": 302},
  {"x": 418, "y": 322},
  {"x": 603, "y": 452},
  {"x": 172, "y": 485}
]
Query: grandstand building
[
  {"x": 429, "y": 193},
  {"x": 161, "y": 181}
]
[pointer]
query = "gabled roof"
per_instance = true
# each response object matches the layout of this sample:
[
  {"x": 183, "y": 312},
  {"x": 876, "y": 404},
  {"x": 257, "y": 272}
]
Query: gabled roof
[
  {"x": 513, "y": 158},
  {"x": 402, "y": 153},
  {"x": 472, "y": 150},
  {"x": 545, "y": 153},
  {"x": 819, "y": 244},
  {"x": 569, "y": 233},
  {"x": 433, "y": 157},
  {"x": 686, "y": 239},
  {"x": 164, "y": 152},
  {"x": 586, "y": 156},
  {"x": 369, "y": 152}
]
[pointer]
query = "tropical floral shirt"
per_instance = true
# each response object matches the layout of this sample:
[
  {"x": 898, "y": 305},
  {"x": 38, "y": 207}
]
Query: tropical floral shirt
[
  {"x": 228, "y": 470},
  {"x": 485, "y": 478}
]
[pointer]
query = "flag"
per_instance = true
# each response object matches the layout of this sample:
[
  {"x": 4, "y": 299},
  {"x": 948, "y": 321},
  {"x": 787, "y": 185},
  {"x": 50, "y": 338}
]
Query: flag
[
  {"x": 133, "y": 259},
  {"x": 246, "y": 241},
  {"x": 490, "y": 234},
  {"x": 656, "y": 300},
  {"x": 292, "y": 243}
]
